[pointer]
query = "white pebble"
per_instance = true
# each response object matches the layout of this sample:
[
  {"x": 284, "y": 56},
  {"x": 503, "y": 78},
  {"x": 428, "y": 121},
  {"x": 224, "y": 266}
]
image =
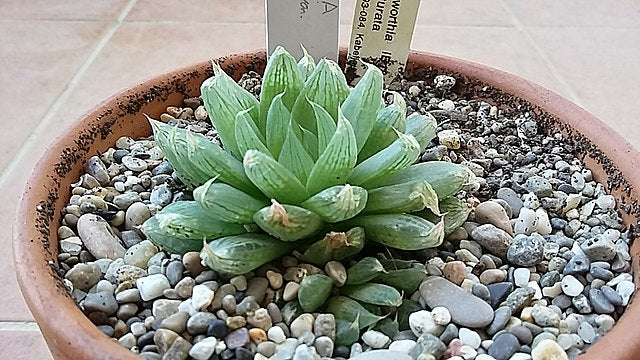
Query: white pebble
[
  {"x": 421, "y": 322},
  {"x": 548, "y": 349},
  {"x": 152, "y": 286},
  {"x": 625, "y": 288},
  {"x": 446, "y": 105},
  {"x": 375, "y": 339},
  {"x": 543, "y": 225},
  {"x": 276, "y": 334},
  {"x": 571, "y": 286},
  {"x": 469, "y": 337},
  {"x": 586, "y": 332},
  {"x": 203, "y": 349},
  {"x": 441, "y": 315},
  {"x": 467, "y": 352},
  {"x": 201, "y": 297},
  {"x": 521, "y": 276},
  {"x": 403, "y": 346}
]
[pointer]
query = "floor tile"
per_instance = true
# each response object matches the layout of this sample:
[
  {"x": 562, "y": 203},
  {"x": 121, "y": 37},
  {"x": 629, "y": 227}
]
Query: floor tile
[
  {"x": 140, "y": 50},
  {"x": 38, "y": 58},
  {"x": 448, "y": 13},
  {"x": 582, "y": 13},
  {"x": 13, "y": 306},
  {"x": 61, "y": 9},
  {"x": 23, "y": 345},
  {"x": 213, "y": 11},
  {"x": 602, "y": 68},
  {"x": 503, "y": 48}
]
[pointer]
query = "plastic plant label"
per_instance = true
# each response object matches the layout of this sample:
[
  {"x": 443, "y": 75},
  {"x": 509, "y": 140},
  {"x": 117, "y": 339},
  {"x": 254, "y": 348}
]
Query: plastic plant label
[
  {"x": 381, "y": 35},
  {"x": 312, "y": 23}
]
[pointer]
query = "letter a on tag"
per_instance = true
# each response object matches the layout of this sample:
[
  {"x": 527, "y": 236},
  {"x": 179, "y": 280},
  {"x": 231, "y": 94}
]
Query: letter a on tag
[
  {"x": 381, "y": 35},
  {"x": 312, "y": 23}
]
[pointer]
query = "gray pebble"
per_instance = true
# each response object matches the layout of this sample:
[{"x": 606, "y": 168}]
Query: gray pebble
[
  {"x": 500, "y": 319},
  {"x": 526, "y": 250}
]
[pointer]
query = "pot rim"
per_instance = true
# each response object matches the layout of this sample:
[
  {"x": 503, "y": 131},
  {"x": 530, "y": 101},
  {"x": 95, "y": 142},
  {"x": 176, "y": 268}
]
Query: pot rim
[{"x": 41, "y": 290}]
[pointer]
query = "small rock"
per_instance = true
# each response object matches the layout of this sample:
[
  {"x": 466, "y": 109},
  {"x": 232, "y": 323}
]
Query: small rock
[
  {"x": 504, "y": 346},
  {"x": 336, "y": 271},
  {"x": 84, "y": 276},
  {"x": 577, "y": 265},
  {"x": 599, "y": 302},
  {"x": 276, "y": 334},
  {"x": 203, "y": 349},
  {"x": 526, "y": 250},
  {"x": 465, "y": 308},
  {"x": 324, "y": 346},
  {"x": 571, "y": 286},
  {"x": 421, "y": 322},
  {"x": 428, "y": 346},
  {"x": 548, "y": 350},
  {"x": 625, "y": 288},
  {"x": 290, "y": 291},
  {"x": 201, "y": 297},
  {"x": 520, "y": 298},
  {"x": 495, "y": 240},
  {"x": 139, "y": 254},
  {"x": 500, "y": 319},
  {"x": 403, "y": 346},
  {"x": 469, "y": 337},
  {"x": 441, "y": 315},
  {"x": 103, "y": 302},
  {"x": 539, "y": 186},
  {"x": 512, "y": 198},
  {"x": 134, "y": 164},
  {"x": 325, "y": 325},
  {"x": 161, "y": 195},
  {"x": 152, "y": 286},
  {"x": 382, "y": 355},
  {"x": 237, "y": 338},
  {"x": 136, "y": 215},
  {"x": 375, "y": 339},
  {"x": 545, "y": 316},
  {"x": 455, "y": 271},
  {"x": 521, "y": 277},
  {"x": 302, "y": 324},
  {"x": 98, "y": 238},
  {"x": 490, "y": 212},
  {"x": 449, "y": 138},
  {"x": 526, "y": 222}
]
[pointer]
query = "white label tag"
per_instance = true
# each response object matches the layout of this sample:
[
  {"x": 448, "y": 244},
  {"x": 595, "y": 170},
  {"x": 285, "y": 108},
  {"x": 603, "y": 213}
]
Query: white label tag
[
  {"x": 312, "y": 23},
  {"x": 381, "y": 35}
]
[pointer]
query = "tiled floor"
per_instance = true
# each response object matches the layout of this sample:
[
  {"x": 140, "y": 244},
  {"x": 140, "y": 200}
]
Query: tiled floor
[{"x": 59, "y": 58}]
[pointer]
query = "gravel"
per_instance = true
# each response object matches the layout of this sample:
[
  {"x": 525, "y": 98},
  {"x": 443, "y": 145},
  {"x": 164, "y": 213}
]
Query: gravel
[{"x": 541, "y": 269}]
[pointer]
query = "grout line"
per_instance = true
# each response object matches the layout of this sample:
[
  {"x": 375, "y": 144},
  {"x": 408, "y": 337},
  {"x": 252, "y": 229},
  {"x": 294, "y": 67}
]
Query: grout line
[
  {"x": 64, "y": 95},
  {"x": 570, "y": 93},
  {"x": 18, "y": 326}
]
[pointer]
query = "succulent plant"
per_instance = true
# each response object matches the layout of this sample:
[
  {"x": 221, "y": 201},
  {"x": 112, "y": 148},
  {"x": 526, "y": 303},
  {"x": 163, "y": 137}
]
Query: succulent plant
[{"x": 313, "y": 165}]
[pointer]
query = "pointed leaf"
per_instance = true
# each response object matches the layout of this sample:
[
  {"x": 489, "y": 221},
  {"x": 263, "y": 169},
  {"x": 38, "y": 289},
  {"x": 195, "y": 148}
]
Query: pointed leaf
[
  {"x": 325, "y": 126},
  {"x": 337, "y": 161},
  {"x": 455, "y": 213},
  {"x": 383, "y": 133},
  {"x": 281, "y": 75},
  {"x": 227, "y": 203},
  {"x": 235, "y": 255},
  {"x": 444, "y": 177},
  {"x": 400, "y": 231},
  {"x": 346, "y": 309},
  {"x": 400, "y": 154},
  {"x": 376, "y": 294},
  {"x": 223, "y": 99},
  {"x": 401, "y": 198},
  {"x": 309, "y": 141},
  {"x": 278, "y": 122},
  {"x": 337, "y": 203},
  {"x": 295, "y": 158},
  {"x": 422, "y": 127},
  {"x": 306, "y": 65},
  {"x": 406, "y": 280},
  {"x": 187, "y": 220},
  {"x": 287, "y": 222},
  {"x": 347, "y": 332},
  {"x": 314, "y": 291},
  {"x": 273, "y": 179},
  {"x": 335, "y": 246},
  {"x": 326, "y": 87},
  {"x": 364, "y": 270},
  {"x": 208, "y": 161},
  {"x": 362, "y": 104},
  {"x": 247, "y": 134},
  {"x": 151, "y": 229}
]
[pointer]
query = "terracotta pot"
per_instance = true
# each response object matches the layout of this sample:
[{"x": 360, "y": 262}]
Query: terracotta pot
[{"x": 70, "y": 335}]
